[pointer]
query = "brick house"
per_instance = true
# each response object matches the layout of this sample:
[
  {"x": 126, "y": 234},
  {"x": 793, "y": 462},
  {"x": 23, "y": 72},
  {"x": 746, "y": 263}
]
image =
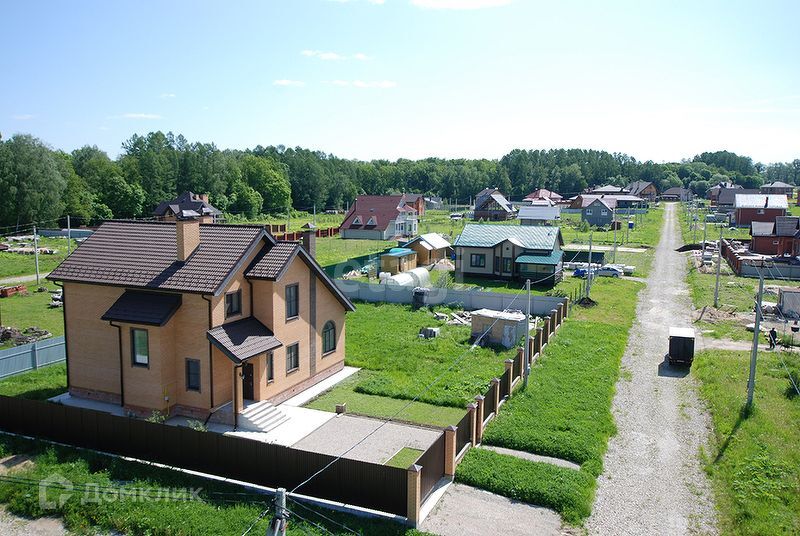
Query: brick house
[
  {"x": 777, "y": 187},
  {"x": 644, "y": 189},
  {"x": 758, "y": 207},
  {"x": 492, "y": 205},
  {"x": 188, "y": 205},
  {"x": 779, "y": 237},
  {"x": 189, "y": 319}
]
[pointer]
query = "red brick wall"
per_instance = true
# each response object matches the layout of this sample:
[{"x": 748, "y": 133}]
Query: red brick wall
[{"x": 745, "y": 216}]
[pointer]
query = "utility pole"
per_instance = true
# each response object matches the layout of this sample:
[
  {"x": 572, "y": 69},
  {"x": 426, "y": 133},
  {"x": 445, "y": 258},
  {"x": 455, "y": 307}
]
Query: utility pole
[
  {"x": 751, "y": 381},
  {"x": 277, "y": 527},
  {"x": 69, "y": 236},
  {"x": 589, "y": 272},
  {"x": 36, "y": 254},
  {"x": 527, "y": 370},
  {"x": 614, "y": 223},
  {"x": 704, "y": 234},
  {"x": 719, "y": 266}
]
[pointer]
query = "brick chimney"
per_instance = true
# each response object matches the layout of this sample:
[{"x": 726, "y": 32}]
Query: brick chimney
[
  {"x": 203, "y": 198},
  {"x": 187, "y": 232},
  {"x": 310, "y": 239}
]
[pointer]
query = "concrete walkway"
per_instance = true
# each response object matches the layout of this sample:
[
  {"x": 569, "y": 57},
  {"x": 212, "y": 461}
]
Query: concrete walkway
[
  {"x": 533, "y": 457},
  {"x": 468, "y": 511},
  {"x": 653, "y": 482}
]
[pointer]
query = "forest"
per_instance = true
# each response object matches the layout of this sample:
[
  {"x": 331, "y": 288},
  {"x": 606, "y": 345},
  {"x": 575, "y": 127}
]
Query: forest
[{"x": 42, "y": 185}]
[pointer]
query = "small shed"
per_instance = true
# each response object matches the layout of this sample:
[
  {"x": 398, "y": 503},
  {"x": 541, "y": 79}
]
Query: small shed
[
  {"x": 506, "y": 328},
  {"x": 398, "y": 260},
  {"x": 789, "y": 302},
  {"x": 430, "y": 248}
]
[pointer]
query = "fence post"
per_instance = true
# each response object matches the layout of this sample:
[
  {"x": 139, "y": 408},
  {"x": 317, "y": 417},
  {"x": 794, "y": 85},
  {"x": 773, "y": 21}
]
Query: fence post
[
  {"x": 537, "y": 341},
  {"x": 412, "y": 504},
  {"x": 496, "y": 394},
  {"x": 450, "y": 450},
  {"x": 553, "y": 320},
  {"x": 566, "y": 307},
  {"x": 521, "y": 358},
  {"x": 472, "y": 409},
  {"x": 545, "y": 331},
  {"x": 509, "y": 376},
  {"x": 34, "y": 356},
  {"x": 479, "y": 419}
]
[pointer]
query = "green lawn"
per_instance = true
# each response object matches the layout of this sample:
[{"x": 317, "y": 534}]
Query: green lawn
[
  {"x": 39, "y": 384},
  {"x": 24, "y": 311},
  {"x": 334, "y": 250},
  {"x": 404, "y": 458},
  {"x": 221, "y": 509},
  {"x": 14, "y": 264},
  {"x": 754, "y": 463},
  {"x": 565, "y": 411},
  {"x": 383, "y": 338},
  {"x": 383, "y": 407}
]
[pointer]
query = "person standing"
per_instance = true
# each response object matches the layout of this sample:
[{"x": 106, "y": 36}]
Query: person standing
[{"x": 773, "y": 338}]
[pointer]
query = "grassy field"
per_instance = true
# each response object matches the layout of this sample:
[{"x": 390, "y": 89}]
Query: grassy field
[
  {"x": 565, "y": 411},
  {"x": 39, "y": 384},
  {"x": 14, "y": 264},
  {"x": 334, "y": 250},
  {"x": 383, "y": 339},
  {"x": 24, "y": 311},
  {"x": 754, "y": 463},
  {"x": 221, "y": 508},
  {"x": 383, "y": 407}
]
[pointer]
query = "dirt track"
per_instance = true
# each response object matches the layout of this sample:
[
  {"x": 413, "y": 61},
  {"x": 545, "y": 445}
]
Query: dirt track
[{"x": 653, "y": 482}]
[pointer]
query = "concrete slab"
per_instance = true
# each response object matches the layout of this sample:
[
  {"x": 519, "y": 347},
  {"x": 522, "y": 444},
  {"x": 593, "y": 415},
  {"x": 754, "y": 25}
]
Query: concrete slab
[
  {"x": 69, "y": 400},
  {"x": 366, "y": 439}
]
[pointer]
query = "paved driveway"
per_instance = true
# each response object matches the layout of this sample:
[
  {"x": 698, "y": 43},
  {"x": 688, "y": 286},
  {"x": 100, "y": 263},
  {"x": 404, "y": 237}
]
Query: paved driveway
[{"x": 344, "y": 431}]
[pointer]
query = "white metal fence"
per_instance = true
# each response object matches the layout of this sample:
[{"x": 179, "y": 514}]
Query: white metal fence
[
  {"x": 32, "y": 356},
  {"x": 468, "y": 299}
]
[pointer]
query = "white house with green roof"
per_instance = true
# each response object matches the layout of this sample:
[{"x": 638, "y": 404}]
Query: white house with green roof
[{"x": 510, "y": 252}]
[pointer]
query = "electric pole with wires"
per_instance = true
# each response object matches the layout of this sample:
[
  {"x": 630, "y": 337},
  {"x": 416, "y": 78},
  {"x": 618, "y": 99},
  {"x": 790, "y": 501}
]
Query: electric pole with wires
[
  {"x": 527, "y": 370},
  {"x": 277, "y": 527},
  {"x": 719, "y": 267},
  {"x": 751, "y": 380}
]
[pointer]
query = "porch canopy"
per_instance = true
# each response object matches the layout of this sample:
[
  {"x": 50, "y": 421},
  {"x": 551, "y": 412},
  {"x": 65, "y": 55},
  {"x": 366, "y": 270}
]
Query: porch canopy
[
  {"x": 140, "y": 307},
  {"x": 243, "y": 339},
  {"x": 552, "y": 258}
]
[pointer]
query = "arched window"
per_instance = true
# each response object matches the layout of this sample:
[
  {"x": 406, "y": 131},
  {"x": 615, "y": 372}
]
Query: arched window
[{"x": 329, "y": 337}]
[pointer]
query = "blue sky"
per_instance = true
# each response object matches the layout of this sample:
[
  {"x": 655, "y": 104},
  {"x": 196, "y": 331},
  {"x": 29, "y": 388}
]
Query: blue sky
[{"x": 408, "y": 78}]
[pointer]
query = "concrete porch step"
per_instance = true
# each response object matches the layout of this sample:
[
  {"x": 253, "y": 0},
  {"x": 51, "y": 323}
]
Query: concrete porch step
[{"x": 261, "y": 417}]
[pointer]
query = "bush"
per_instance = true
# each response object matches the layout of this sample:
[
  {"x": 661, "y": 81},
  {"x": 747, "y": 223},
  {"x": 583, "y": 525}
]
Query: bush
[
  {"x": 156, "y": 417},
  {"x": 567, "y": 491},
  {"x": 196, "y": 425}
]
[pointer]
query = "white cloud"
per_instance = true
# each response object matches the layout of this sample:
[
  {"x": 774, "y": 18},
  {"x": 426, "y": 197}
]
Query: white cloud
[
  {"x": 365, "y": 84},
  {"x": 288, "y": 83},
  {"x": 333, "y": 56},
  {"x": 140, "y": 116},
  {"x": 459, "y": 4},
  {"x": 23, "y": 117},
  {"x": 167, "y": 96}
]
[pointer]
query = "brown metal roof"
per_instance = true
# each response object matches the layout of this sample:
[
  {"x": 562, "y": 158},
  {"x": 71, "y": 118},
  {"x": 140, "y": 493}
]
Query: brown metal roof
[
  {"x": 271, "y": 263},
  {"x": 243, "y": 339},
  {"x": 144, "y": 255},
  {"x": 138, "y": 307}
]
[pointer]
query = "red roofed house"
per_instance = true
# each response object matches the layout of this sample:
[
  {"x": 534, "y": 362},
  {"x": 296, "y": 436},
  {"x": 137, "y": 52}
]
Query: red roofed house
[
  {"x": 380, "y": 217},
  {"x": 200, "y": 320},
  {"x": 541, "y": 193}
]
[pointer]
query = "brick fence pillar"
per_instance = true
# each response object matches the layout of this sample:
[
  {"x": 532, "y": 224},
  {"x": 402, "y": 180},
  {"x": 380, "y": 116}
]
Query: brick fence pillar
[
  {"x": 479, "y": 419},
  {"x": 413, "y": 501},
  {"x": 509, "y": 376},
  {"x": 473, "y": 425},
  {"x": 450, "y": 450},
  {"x": 496, "y": 393}
]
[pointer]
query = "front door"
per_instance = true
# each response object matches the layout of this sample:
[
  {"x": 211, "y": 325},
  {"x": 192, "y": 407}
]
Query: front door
[{"x": 247, "y": 381}]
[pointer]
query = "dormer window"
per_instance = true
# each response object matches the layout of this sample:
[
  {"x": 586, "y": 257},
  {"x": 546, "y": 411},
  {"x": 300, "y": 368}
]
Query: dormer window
[
  {"x": 357, "y": 220},
  {"x": 372, "y": 221}
]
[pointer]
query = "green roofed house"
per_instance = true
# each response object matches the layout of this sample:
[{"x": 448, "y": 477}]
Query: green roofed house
[{"x": 511, "y": 252}]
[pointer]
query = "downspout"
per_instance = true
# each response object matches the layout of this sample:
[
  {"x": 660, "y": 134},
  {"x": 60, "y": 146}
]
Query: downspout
[
  {"x": 235, "y": 395},
  {"x": 64, "y": 319},
  {"x": 210, "y": 363},
  {"x": 121, "y": 377}
]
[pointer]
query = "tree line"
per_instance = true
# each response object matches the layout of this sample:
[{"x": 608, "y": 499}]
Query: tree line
[{"x": 40, "y": 184}]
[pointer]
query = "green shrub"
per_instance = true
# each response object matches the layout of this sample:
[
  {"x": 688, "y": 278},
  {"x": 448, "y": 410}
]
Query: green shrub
[
  {"x": 156, "y": 417},
  {"x": 567, "y": 491},
  {"x": 196, "y": 425}
]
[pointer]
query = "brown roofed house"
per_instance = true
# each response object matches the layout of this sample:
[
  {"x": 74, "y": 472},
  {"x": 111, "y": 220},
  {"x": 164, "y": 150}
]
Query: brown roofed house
[
  {"x": 188, "y": 205},
  {"x": 380, "y": 217},
  {"x": 193, "y": 319}
]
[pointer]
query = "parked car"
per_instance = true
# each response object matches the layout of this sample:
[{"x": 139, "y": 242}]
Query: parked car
[
  {"x": 580, "y": 272},
  {"x": 456, "y": 216},
  {"x": 608, "y": 271}
]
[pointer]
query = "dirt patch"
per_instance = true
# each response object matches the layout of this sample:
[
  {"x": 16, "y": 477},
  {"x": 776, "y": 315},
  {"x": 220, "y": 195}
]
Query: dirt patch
[
  {"x": 586, "y": 302},
  {"x": 17, "y": 462}
]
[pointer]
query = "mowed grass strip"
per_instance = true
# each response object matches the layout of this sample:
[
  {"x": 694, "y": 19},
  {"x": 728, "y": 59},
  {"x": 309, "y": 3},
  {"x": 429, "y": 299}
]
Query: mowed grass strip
[
  {"x": 754, "y": 463},
  {"x": 384, "y": 407},
  {"x": 566, "y": 491},
  {"x": 384, "y": 338},
  {"x": 404, "y": 458}
]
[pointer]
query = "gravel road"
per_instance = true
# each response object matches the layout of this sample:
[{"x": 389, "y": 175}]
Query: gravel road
[{"x": 653, "y": 482}]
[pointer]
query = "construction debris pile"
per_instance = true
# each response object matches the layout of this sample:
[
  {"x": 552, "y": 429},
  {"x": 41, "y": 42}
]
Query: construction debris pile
[{"x": 26, "y": 336}]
